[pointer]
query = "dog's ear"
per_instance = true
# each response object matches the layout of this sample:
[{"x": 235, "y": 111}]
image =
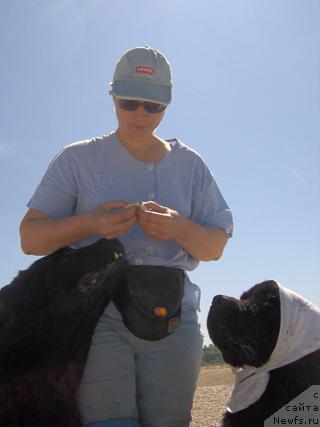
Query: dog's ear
[{"x": 250, "y": 355}]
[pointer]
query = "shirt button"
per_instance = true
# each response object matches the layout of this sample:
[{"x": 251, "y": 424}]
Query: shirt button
[
  {"x": 138, "y": 261},
  {"x": 149, "y": 250},
  {"x": 151, "y": 195},
  {"x": 150, "y": 166}
]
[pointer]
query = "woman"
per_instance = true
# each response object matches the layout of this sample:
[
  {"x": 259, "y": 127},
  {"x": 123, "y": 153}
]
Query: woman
[{"x": 90, "y": 190}]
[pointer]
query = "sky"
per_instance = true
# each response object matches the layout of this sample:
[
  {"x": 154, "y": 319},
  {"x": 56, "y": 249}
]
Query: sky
[{"x": 246, "y": 97}]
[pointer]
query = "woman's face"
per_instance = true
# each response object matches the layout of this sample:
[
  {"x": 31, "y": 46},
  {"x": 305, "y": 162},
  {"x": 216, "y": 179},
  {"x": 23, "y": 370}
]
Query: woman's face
[{"x": 137, "y": 123}]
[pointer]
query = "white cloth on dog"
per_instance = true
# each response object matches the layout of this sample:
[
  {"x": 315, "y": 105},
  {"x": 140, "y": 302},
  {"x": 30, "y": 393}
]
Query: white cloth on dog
[{"x": 299, "y": 336}]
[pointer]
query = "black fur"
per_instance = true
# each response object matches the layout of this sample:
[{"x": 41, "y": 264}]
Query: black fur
[
  {"x": 246, "y": 332},
  {"x": 47, "y": 317}
]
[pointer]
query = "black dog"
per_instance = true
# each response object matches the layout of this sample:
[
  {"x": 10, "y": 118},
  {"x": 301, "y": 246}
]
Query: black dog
[
  {"x": 47, "y": 317},
  {"x": 273, "y": 335}
]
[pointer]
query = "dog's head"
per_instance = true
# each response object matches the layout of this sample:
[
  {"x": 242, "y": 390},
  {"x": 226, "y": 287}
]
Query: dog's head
[
  {"x": 246, "y": 330},
  {"x": 85, "y": 276},
  {"x": 61, "y": 296},
  {"x": 70, "y": 277}
]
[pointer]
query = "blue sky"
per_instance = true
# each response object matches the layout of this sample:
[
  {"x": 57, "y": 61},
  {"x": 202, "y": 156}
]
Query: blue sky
[{"x": 246, "y": 79}]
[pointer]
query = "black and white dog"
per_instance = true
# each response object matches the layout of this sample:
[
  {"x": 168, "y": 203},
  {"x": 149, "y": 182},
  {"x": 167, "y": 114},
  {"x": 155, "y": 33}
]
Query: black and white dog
[{"x": 272, "y": 335}]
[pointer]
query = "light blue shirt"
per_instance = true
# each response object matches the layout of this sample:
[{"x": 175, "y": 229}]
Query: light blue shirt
[{"x": 88, "y": 173}]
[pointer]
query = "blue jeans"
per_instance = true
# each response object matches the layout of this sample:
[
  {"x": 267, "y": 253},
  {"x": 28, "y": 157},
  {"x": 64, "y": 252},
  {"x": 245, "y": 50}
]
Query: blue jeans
[{"x": 127, "y": 378}]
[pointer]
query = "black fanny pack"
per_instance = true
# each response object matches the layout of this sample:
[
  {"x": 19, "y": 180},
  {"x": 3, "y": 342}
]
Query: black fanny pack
[{"x": 150, "y": 300}]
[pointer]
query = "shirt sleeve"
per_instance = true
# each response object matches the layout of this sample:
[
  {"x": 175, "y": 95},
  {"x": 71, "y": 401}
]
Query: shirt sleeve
[
  {"x": 57, "y": 191},
  {"x": 209, "y": 208}
]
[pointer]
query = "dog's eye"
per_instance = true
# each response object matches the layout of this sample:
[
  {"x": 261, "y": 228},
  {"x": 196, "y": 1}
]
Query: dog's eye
[{"x": 88, "y": 282}]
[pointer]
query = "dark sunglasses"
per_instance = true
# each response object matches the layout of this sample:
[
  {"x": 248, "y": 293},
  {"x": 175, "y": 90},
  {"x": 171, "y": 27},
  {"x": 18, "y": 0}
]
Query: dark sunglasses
[{"x": 133, "y": 104}]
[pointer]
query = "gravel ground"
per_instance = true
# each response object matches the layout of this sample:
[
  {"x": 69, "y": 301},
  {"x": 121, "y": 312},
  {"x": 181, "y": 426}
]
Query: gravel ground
[{"x": 214, "y": 387}]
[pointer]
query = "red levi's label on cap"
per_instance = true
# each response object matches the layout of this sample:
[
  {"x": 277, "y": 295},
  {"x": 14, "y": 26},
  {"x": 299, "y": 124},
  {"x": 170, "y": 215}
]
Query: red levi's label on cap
[{"x": 144, "y": 69}]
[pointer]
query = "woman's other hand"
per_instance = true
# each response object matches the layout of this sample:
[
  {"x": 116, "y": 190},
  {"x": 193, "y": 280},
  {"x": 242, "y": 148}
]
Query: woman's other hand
[{"x": 160, "y": 222}]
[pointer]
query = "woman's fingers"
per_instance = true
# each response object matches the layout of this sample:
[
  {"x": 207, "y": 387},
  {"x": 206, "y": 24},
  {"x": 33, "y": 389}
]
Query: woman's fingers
[
  {"x": 148, "y": 217},
  {"x": 163, "y": 224},
  {"x": 155, "y": 224},
  {"x": 113, "y": 219}
]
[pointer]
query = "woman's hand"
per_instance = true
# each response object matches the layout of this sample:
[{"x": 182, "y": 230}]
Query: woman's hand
[
  {"x": 162, "y": 223},
  {"x": 42, "y": 234},
  {"x": 112, "y": 219},
  {"x": 159, "y": 222}
]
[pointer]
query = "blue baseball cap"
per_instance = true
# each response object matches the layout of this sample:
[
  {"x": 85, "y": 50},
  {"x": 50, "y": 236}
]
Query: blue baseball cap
[{"x": 143, "y": 73}]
